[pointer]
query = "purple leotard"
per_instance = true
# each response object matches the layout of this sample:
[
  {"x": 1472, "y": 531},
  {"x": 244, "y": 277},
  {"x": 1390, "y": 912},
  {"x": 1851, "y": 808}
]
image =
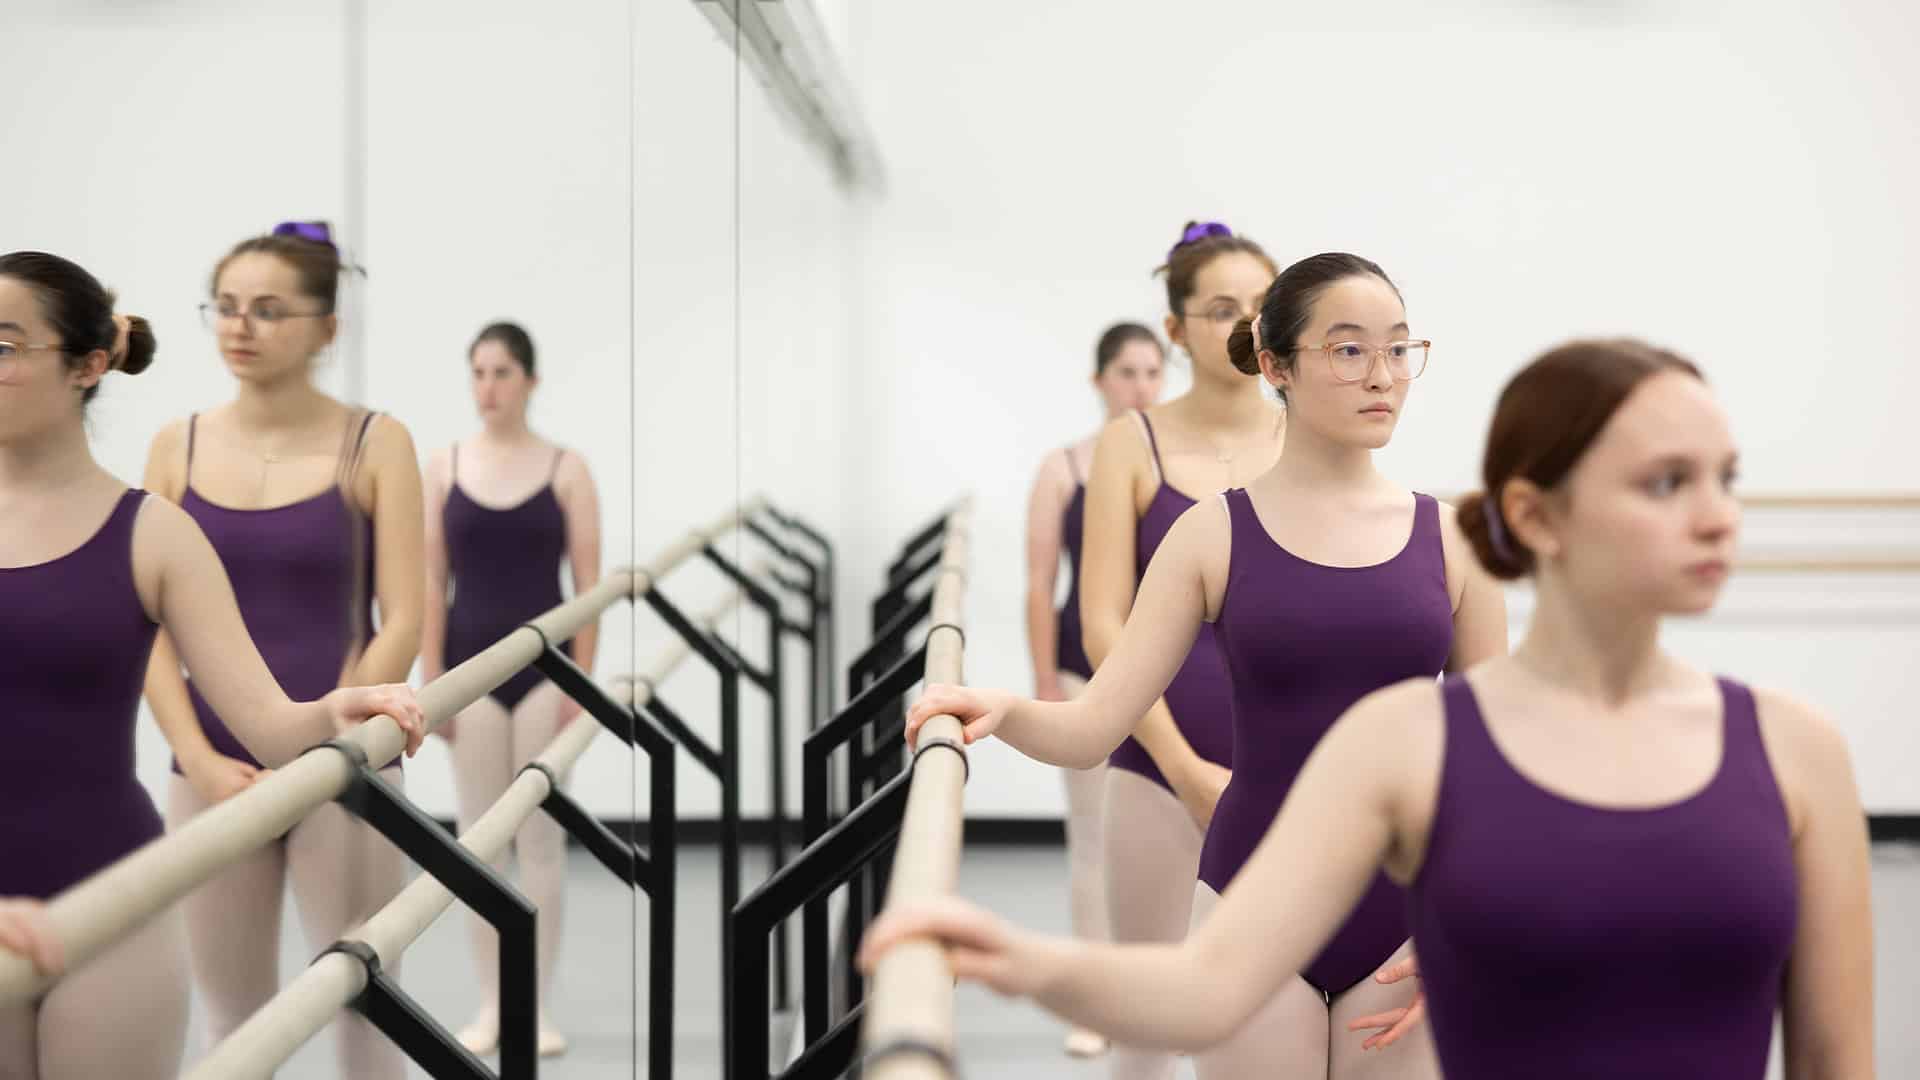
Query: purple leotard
[
  {"x": 75, "y": 641},
  {"x": 509, "y": 562},
  {"x": 1583, "y": 943},
  {"x": 303, "y": 577},
  {"x": 1303, "y": 642},
  {"x": 1198, "y": 697},
  {"x": 1070, "y": 651}
]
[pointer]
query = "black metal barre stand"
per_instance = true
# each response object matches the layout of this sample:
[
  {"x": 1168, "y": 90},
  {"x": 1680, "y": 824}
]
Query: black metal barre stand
[
  {"x": 833, "y": 856},
  {"x": 879, "y": 678},
  {"x": 821, "y": 604},
  {"x": 657, "y": 870},
  {"x": 770, "y": 680},
  {"x": 440, "y": 855}
]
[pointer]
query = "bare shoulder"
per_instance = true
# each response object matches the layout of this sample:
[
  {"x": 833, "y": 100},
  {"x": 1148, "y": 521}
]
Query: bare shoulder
[
  {"x": 1403, "y": 727},
  {"x": 1055, "y": 473},
  {"x": 169, "y": 442},
  {"x": 165, "y": 539},
  {"x": 388, "y": 440},
  {"x": 1397, "y": 738},
  {"x": 439, "y": 466},
  {"x": 1409, "y": 710},
  {"x": 1809, "y": 753},
  {"x": 572, "y": 476},
  {"x": 1453, "y": 541},
  {"x": 166, "y": 470},
  {"x": 1121, "y": 443},
  {"x": 159, "y": 522}
]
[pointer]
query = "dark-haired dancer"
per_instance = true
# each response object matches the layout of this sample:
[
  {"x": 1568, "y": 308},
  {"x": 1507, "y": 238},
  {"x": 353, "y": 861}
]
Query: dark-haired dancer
[
  {"x": 1165, "y": 777},
  {"x": 1617, "y": 864},
  {"x": 1321, "y": 581},
  {"x": 314, "y": 507},
  {"x": 502, "y": 518},
  {"x": 89, "y": 571},
  {"x": 1129, "y": 369}
]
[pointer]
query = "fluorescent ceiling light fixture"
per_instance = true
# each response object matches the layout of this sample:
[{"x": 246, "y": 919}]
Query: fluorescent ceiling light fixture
[{"x": 783, "y": 43}]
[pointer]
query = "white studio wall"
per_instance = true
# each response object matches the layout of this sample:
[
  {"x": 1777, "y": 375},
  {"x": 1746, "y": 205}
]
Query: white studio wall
[{"x": 1692, "y": 173}]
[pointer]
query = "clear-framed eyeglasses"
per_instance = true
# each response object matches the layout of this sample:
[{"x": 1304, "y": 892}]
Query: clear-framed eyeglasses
[
  {"x": 260, "y": 315},
  {"x": 13, "y": 358},
  {"x": 1350, "y": 361},
  {"x": 1221, "y": 313}
]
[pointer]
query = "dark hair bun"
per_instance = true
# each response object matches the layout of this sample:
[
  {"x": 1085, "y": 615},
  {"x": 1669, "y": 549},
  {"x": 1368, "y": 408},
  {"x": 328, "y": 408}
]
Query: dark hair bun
[
  {"x": 1240, "y": 348},
  {"x": 140, "y": 347}
]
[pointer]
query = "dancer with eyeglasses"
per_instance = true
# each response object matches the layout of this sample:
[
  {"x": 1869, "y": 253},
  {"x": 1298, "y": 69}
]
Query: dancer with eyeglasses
[
  {"x": 1168, "y": 770},
  {"x": 1617, "y": 865},
  {"x": 1321, "y": 581},
  {"x": 315, "y": 509},
  {"x": 500, "y": 550},
  {"x": 90, "y": 570},
  {"x": 1129, "y": 369}
]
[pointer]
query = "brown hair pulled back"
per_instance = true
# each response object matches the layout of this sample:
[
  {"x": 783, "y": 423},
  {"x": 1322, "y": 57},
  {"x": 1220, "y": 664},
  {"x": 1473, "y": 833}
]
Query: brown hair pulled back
[
  {"x": 1547, "y": 417},
  {"x": 81, "y": 311},
  {"x": 1288, "y": 307}
]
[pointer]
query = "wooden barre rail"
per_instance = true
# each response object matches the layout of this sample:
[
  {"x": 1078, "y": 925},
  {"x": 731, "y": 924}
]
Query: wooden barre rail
[
  {"x": 1829, "y": 561},
  {"x": 1805, "y": 500},
  {"x": 93, "y": 914},
  {"x": 910, "y": 999},
  {"x": 315, "y": 997}
]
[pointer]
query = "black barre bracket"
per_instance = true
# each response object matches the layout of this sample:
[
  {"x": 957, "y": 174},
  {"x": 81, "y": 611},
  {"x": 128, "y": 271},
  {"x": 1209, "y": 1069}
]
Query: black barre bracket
[
  {"x": 768, "y": 679},
  {"x": 726, "y": 664},
  {"x": 655, "y": 873},
  {"x": 704, "y": 755},
  {"x": 402, "y": 1020},
  {"x": 626, "y": 861},
  {"x": 371, "y": 799},
  {"x": 560, "y": 669}
]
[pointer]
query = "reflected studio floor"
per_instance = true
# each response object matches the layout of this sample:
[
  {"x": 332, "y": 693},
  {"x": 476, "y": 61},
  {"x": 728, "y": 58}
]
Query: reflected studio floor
[{"x": 1007, "y": 1040}]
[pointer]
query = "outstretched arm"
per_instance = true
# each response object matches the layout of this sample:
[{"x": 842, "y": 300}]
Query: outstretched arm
[
  {"x": 1153, "y": 644},
  {"x": 1344, "y": 817}
]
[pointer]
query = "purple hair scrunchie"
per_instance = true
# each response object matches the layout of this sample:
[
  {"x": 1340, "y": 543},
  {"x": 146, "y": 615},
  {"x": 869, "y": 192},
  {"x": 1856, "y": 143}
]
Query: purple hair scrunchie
[{"x": 1496, "y": 532}]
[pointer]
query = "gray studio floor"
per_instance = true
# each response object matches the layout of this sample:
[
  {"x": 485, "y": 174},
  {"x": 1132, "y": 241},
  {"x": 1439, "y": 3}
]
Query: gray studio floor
[{"x": 1001, "y": 1039}]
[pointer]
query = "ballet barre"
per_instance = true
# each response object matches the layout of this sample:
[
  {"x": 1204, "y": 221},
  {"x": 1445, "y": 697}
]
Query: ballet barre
[
  {"x": 1844, "y": 560},
  {"x": 909, "y": 1009},
  {"x": 841, "y": 853},
  {"x": 351, "y": 972}
]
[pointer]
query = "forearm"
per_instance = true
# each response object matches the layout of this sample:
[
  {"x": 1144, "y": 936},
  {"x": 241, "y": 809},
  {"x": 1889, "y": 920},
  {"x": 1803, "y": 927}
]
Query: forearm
[
  {"x": 1042, "y": 639},
  {"x": 433, "y": 632},
  {"x": 1155, "y": 731},
  {"x": 292, "y": 728},
  {"x": 166, "y": 694},
  {"x": 1159, "y": 735},
  {"x": 390, "y": 655},
  {"x": 586, "y": 646},
  {"x": 1149, "y": 996},
  {"x": 1069, "y": 734}
]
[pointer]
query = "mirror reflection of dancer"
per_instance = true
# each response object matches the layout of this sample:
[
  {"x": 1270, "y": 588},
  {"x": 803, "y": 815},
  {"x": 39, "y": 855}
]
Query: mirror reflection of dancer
[
  {"x": 90, "y": 570},
  {"x": 1165, "y": 777},
  {"x": 501, "y": 550},
  {"x": 314, "y": 507},
  {"x": 1617, "y": 864},
  {"x": 1129, "y": 369}
]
